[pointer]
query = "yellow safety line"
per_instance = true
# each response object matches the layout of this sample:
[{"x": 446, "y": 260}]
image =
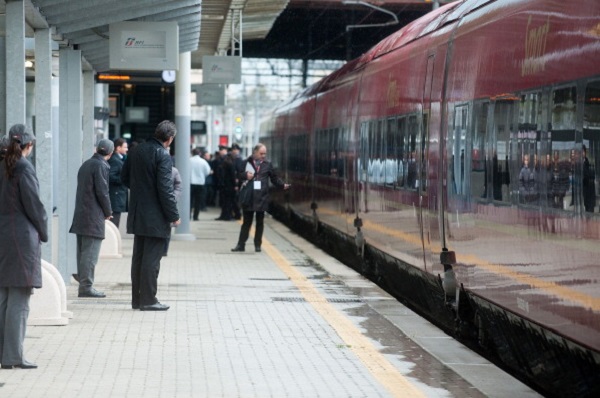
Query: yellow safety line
[
  {"x": 564, "y": 292},
  {"x": 383, "y": 371}
]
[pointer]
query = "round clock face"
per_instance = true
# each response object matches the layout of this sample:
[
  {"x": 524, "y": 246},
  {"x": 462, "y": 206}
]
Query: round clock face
[{"x": 168, "y": 76}]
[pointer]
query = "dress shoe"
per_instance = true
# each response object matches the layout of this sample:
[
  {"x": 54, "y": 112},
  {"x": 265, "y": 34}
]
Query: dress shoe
[
  {"x": 75, "y": 276},
  {"x": 135, "y": 306},
  {"x": 92, "y": 293},
  {"x": 24, "y": 365},
  {"x": 154, "y": 307},
  {"x": 238, "y": 248},
  {"x": 257, "y": 249}
]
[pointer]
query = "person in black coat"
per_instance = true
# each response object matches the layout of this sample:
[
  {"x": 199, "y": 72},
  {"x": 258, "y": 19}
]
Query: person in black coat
[
  {"x": 257, "y": 171},
  {"x": 118, "y": 191},
  {"x": 227, "y": 179},
  {"x": 23, "y": 226},
  {"x": 147, "y": 173},
  {"x": 92, "y": 208}
]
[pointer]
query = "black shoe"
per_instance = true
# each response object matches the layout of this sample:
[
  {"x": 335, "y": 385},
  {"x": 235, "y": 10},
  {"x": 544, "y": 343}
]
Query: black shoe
[
  {"x": 154, "y": 307},
  {"x": 238, "y": 248},
  {"x": 75, "y": 276},
  {"x": 219, "y": 219},
  {"x": 135, "y": 306},
  {"x": 24, "y": 365},
  {"x": 257, "y": 249},
  {"x": 92, "y": 293}
]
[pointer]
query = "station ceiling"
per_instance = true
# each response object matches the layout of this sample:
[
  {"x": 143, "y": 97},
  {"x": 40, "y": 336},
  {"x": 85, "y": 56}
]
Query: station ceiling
[{"x": 300, "y": 29}]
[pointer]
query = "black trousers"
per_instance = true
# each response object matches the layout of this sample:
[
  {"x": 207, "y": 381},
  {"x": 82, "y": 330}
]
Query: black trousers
[
  {"x": 116, "y": 218},
  {"x": 198, "y": 199},
  {"x": 145, "y": 265},
  {"x": 247, "y": 224}
]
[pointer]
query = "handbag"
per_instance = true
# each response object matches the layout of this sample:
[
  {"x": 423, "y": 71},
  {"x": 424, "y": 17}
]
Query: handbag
[{"x": 245, "y": 195}]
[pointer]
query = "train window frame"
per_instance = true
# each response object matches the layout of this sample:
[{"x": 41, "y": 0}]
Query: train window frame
[{"x": 480, "y": 150}]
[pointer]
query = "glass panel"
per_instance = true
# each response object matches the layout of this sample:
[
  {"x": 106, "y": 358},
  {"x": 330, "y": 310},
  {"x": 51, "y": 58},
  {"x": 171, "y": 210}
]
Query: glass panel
[
  {"x": 591, "y": 145},
  {"x": 391, "y": 154},
  {"x": 457, "y": 162},
  {"x": 411, "y": 146},
  {"x": 403, "y": 160},
  {"x": 479, "y": 156},
  {"x": 563, "y": 147},
  {"x": 528, "y": 138},
  {"x": 298, "y": 153},
  {"x": 501, "y": 165},
  {"x": 363, "y": 158}
]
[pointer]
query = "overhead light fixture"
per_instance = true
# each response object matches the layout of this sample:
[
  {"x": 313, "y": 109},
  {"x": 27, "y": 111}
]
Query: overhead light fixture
[
  {"x": 213, "y": 17},
  {"x": 28, "y": 64}
]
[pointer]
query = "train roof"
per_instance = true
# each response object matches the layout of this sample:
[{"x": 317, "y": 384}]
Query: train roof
[{"x": 411, "y": 32}]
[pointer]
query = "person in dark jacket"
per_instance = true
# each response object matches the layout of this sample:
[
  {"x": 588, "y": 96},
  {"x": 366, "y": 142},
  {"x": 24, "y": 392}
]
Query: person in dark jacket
[
  {"x": 258, "y": 172},
  {"x": 147, "y": 173},
  {"x": 227, "y": 179},
  {"x": 92, "y": 207},
  {"x": 118, "y": 191},
  {"x": 23, "y": 226}
]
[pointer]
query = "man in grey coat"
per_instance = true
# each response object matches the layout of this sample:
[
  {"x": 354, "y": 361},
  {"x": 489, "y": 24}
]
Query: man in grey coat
[{"x": 92, "y": 207}]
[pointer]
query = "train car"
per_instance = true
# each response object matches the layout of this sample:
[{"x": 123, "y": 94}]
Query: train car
[{"x": 454, "y": 163}]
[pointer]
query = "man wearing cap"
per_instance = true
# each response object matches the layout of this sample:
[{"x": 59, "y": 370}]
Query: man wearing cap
[{"x": 92, "y": 207}]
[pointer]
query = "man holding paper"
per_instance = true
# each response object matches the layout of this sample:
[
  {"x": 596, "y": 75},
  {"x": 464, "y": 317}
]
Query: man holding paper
[{"x": 257, "y": 171}]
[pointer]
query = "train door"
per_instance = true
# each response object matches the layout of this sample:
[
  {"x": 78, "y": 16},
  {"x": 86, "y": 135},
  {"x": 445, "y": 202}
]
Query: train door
[{"x": 428, "y": 198}]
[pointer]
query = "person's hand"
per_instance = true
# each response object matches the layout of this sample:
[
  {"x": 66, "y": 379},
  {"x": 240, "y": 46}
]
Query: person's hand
[
  {"x": 108, "y": 218},
  {"x": 177, "y": 222},
  {"x": 287, "y": 186},
  {"x": 249, "y": 175}
]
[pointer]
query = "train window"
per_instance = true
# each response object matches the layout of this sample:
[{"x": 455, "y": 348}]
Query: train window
[
  {"x": 564, "y": 105},
  {"x": 277, "y": 154},
  {"x": 591, "y": 142},
  {"x": 391, "y": 154},
  {"x": 338, "y": 162},
  {"x": 363, "y": 158},
  {"x": 502, "y": 152},
  {"x": 298, "y": 153},
  {"x": 375, "y": 168},
  {"x": 533, "y": 177},
  {"x": 458, "y": 157},
  {"x": 401, "y": 153},
  {"x": 411, "y": 149},
  {"x": 479, "y": 158}
]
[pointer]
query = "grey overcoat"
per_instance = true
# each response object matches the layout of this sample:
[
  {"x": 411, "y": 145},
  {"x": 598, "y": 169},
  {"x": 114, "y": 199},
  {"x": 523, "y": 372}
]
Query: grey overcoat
[
  {"x": 92, "y": 201},
  {"x": 23, "y": 226}
]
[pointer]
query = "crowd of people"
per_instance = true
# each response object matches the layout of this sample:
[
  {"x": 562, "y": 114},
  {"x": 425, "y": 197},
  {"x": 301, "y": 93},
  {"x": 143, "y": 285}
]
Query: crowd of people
[{"x": 139, "y": 179}]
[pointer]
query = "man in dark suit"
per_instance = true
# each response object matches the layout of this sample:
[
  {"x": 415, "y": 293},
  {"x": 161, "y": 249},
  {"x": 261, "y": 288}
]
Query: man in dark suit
[
  {"x": 118, "y": 191},
  {"x": 152, "y": 208}
]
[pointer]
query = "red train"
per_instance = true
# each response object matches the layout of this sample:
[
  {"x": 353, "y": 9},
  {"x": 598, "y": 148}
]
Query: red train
[{"x": 455, "y": 164}]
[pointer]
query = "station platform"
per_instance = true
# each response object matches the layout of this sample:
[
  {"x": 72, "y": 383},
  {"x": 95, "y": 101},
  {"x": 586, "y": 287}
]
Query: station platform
[{"x": 287, "y": 322}]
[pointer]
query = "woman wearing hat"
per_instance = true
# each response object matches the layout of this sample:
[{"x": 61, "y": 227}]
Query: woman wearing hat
[{"x": 23, "y": 226}]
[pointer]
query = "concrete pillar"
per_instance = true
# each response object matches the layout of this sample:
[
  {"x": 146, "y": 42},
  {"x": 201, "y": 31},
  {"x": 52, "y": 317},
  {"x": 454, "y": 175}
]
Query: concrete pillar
[
  {"x": 183, "y": 111},
  {"x": 3, "y": 130},
  {"x": 43, "y": 127},
  {"x": 70, "y": 143},
  {"x": 15, "y": 61},
  {"x": 89, "y": 99}
]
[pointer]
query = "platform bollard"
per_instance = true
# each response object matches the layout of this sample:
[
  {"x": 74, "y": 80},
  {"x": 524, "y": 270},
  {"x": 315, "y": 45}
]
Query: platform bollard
[
  {"x": 45, "y": 306},
  {"x": 111, "y": 245}
]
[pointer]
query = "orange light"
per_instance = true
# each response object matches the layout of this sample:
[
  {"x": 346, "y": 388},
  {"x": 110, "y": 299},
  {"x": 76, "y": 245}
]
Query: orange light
[{"x": 114, "y": 77}]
